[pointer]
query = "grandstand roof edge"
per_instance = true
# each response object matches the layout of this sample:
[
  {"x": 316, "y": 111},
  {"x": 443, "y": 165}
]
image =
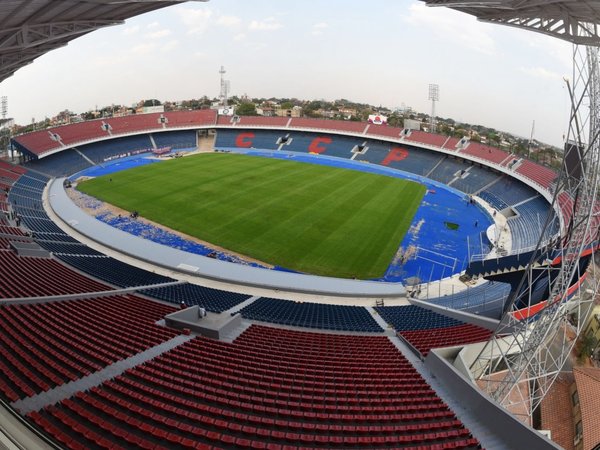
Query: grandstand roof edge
[
  {"x": 570, "y": 20},
  {"x": 32, "y": 28}
]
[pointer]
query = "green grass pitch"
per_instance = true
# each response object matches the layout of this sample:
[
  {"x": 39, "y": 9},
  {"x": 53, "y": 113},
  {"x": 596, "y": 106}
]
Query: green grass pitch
[{"x": 304, "y": 217}]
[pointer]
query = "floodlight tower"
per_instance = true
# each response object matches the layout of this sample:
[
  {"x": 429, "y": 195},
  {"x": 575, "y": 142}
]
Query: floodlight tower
[
  {"x": 434, "y": 96},
  {"x": 224, "y": 88},
  {"x": 4, "y": 106},
  {"x": 525, "y": 355}
]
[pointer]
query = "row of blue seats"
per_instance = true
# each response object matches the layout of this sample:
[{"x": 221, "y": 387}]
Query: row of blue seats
[
  {"x": 68, "y": 162},
  {"x": 181, "y": 139},
  {"x": 525, "y": 227},
  {"x": 103, "y": 150},
  {"x": 487, "y": 299},
  {"x": 511, "y": 191},
  {"x": 474, "y": 179},
  {"x": 68, "y": 248},
  {"x": 447, "y": 170},
  {"x": 61, "y": 164},
  {"x": 110, "y": 270},
  {"x": 411, "y": 317},
  {"x": 311, "y": 315}
]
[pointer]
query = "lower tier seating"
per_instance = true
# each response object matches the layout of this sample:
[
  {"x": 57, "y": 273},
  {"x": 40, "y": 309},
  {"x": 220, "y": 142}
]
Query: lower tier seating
[
  {"x": 270, "y": 388},
  {"x": 45, "y": 345},
  {"x": 425, "y": 340}
]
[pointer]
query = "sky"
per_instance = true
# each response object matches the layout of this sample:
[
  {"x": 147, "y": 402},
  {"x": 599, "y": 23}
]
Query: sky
[{"x": 383, "y": 53}]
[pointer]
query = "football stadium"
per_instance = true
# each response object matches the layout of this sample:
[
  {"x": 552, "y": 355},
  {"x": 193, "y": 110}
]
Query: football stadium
[{"x": 199, "y": 279}]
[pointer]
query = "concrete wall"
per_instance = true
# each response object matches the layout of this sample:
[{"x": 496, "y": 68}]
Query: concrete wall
[{"x": 509, "y": 429}]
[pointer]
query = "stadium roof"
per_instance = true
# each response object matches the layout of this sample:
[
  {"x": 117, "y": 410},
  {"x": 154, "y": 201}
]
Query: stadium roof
[
  {"x": 576, "y": 21},
  {"x": 31, "y": 28}
]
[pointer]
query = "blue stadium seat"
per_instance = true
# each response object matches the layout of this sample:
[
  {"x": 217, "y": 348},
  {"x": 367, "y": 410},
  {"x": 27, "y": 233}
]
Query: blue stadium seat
[{"x": 311, "y": 315}]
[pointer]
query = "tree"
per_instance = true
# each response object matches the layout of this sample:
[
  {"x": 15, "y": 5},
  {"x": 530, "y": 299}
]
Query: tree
[
  {"x": 246, "y": 109},
  {"x": 587, "y": 344},
  {"x": 152, "y": 102},
  {"x": 287, "y": 105}
]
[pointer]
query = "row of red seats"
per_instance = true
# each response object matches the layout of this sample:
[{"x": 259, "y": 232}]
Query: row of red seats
[
  {"x": 384, "y": 130},
  {"x": 421, "y": 137},
  {"x": 9, "y": 175},
  {"x": 451, "y": 143},
  {"x": 42, "y": 141},
  {"x": 261, "y": 399},
  {"x": 14, "y": 231},
  {"x": 47, "y": 344},
  {"x": 486, "y": 152},
  {"x": 13, "y": 168},
  {"x": 335, "y": 125},
  {"x": 538, "y": 173},
  {"x": 32, "y": 277},
  {"x": 425, "y": 340}
]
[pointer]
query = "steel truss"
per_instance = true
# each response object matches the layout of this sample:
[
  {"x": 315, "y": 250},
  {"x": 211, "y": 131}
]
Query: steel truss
[{"x": 525, "y": 356}]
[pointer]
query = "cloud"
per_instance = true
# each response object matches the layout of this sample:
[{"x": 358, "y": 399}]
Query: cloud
[
  {"x": 153, "y": 25},
  {"x": 540, "y": 72},
  {"x": 143, "y": 49},
  {"x": 170, "y": 45},
  {"x": 453, "y": 26},
  {"x": 196, "y": 20},
  {"x": 159, "y": 34},
  {"x": 239, "y": 37},
  {"x": 318, "y": 28},
  {"x": 131, "y": 30},
  {"x": 268, "y": 24},
  {"x": 561, "y": 51},
  {"x": 228, "y": 21}
]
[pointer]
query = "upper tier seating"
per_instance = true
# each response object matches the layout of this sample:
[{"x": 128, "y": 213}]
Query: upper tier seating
[
  {"x": 451, "y": 143},
  {"x": 491, "y": 154},
  {"x": 311, "y": 315},
  {"x": 384, "y": 130},
  {"x": 256, "y": 121},
  {"x": 271, "y": 388},
  {"x": 40, "y": 142},
  {"x": 540, "y": 174},
  {"x": 337, "y": 125},
  {"x": 421, "y": 137},
  {"x": 45, "y": 345}
]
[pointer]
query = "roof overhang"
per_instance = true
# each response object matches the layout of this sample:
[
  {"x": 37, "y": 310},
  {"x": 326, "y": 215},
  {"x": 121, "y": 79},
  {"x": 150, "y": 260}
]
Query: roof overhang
[
  {"x": 575, "y": 21},
  {"x": 31, "y": 28}
]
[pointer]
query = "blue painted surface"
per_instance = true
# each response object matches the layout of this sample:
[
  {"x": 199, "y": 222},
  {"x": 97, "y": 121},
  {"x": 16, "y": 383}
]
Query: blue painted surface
[{"x": 429, "y": 251}]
